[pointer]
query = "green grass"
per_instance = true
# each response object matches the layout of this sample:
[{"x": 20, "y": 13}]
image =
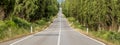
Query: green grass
[
  {"x": 13, "y": 28},
  {"x": 16, "y": 27},
  {"x": 75, "y": 23},
  {"x": 21, "y": 23},
  {"x": 110, "y": 36}
]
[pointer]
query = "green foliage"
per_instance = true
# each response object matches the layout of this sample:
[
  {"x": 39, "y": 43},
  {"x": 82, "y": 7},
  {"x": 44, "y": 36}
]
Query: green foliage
[
  {"x": 3, "y": 25},
  {"x": 10, "y": 23},
  {"x": 94, "y": 14},
  {"x": 41, "y": 22},
  {"x": 71, "y": 19},
  {"x": 4, "y": 30},
  {"x": 21, "y": 22},
  {"x": 46, "y": 9},
  {"x": 24, "y": 8},
  {"x": 75, "y": 23},
  {"x": 30, "y": 10},
  {"x": 108, "y": 35},
  {"x": 7, "y": 6}
]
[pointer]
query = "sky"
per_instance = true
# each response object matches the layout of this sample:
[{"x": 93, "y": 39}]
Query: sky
[{"x": 60, "y": 1}]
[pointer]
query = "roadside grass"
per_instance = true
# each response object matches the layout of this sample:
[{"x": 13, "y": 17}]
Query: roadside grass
[
  {"x": 108, "y": 37},
  {"x": 17, "y": 27}
]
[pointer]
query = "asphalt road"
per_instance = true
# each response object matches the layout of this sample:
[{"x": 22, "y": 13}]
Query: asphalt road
[{"x": 58, "y": 33}]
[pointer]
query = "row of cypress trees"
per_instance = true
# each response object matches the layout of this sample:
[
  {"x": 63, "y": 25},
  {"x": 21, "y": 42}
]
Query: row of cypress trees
[
  {"x": 94, "y": 14},
  {"x": 29, "y": 10}
]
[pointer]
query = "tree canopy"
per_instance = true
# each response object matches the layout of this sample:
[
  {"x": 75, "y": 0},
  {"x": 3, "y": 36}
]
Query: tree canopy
[
  {"x": 29, "y": 10},
  {"x": 95, "y": 14}
]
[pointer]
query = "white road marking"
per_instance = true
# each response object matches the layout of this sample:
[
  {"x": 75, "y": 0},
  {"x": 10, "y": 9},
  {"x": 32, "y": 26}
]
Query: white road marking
[
  {"x": 58, "y": 42},
  {"x": 87, "y": 36},
  {"x": 91, "y": 38},
  {"x": 25, "y": 38},
  {"x": 21, "y": 40}
]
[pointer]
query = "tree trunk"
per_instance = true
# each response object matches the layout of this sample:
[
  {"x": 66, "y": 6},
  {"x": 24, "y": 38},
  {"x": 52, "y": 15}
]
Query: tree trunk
[
  {"x": 2, "y": 13},
  {"x": 119, "y": 29}
]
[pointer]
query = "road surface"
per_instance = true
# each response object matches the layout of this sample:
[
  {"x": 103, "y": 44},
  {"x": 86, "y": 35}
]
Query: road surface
[{"x": 58, "y": 33}]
